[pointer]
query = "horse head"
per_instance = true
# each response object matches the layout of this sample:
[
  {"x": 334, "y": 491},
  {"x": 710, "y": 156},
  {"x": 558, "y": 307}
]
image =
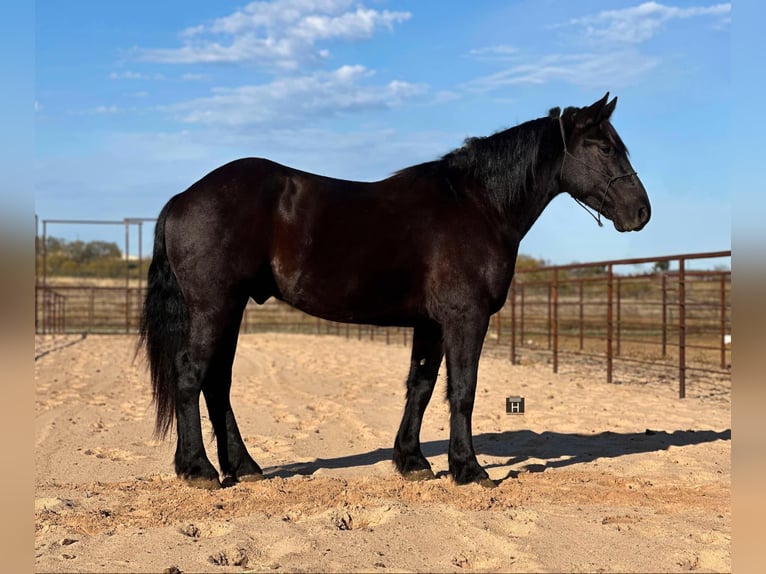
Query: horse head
[{"x": 595, "y": 169}]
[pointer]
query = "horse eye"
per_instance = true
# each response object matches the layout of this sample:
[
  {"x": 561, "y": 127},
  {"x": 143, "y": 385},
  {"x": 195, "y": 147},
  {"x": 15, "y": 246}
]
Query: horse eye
[{"x": 606, "y": 149}]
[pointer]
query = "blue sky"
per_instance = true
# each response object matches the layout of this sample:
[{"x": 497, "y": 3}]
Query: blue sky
[{"x": 136, "y": 101}]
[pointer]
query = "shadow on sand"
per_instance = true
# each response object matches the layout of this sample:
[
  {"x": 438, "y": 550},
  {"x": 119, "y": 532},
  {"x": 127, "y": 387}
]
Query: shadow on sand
[{"x": 559, "y": 449}]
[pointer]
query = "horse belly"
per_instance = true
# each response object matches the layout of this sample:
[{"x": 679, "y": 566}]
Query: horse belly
[{"x": 352, "y": 292}]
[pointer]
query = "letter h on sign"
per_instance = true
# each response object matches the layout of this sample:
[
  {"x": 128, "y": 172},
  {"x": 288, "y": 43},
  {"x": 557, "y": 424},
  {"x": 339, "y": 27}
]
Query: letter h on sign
[{"x": 514, "y": 405}]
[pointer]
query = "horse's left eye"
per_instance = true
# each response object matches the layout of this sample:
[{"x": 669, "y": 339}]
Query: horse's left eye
[{"x": 606, "y": 149}]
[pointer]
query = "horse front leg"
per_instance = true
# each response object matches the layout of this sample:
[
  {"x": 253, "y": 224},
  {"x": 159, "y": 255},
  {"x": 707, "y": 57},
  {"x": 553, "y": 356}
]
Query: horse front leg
[
  {"x": 427, "y": 354},
  {"x": 463, "y": 341}
]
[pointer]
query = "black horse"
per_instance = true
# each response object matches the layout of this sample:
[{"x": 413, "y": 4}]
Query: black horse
[{"x": 432, "y": 247}]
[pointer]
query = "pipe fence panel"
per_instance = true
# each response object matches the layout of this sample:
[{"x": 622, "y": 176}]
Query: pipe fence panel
[
  {"x": 674, "y": 316},
  {"x": 678, "y": 318}
]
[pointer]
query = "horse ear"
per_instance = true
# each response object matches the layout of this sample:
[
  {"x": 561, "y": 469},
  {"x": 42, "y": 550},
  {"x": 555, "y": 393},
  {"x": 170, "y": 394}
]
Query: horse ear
[
  {"x": 606, "y": 112},
  {"x": 595, "y": 113}
]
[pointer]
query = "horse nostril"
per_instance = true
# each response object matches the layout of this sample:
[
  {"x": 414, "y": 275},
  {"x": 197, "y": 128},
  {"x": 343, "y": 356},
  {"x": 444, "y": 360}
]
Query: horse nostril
[{"x": 643, "y": 214}]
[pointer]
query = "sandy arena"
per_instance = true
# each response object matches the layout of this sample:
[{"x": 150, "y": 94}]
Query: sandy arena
[{"x": 593, "y": 478}]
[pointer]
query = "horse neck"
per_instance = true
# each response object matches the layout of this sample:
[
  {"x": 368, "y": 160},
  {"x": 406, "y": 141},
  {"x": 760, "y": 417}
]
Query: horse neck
[
  {"x": 527, "y": 209},
  {"x": 542, "y": 185}
]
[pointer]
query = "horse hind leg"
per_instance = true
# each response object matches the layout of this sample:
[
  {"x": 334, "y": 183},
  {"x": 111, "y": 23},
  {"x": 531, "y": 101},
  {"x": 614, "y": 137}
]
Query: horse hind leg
[
  {"x": 235, "y": 462},
  {"x": 191, "y": 462},
  {"x": 427, "y": 354},
  {"x": 206, "y": 367}
]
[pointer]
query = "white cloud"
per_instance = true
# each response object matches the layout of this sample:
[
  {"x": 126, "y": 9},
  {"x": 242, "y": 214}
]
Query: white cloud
[
  {"x": 195, "y": 77},
  {"x": 609, "y": 54},
  {"x": 613, "y": 69},
  {"x": 640, "y": 23},
  {"x": 130, "y": 75},
  {"x": 494, "y": 53},
  {"x": 106, "y": 110},
  {"x": 281, "y": 33},
  {"x": 287, "y": 100}
]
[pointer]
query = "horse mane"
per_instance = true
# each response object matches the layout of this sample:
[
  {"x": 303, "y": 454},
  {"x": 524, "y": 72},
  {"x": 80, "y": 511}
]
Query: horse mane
[{"x": 504, "y": 162}]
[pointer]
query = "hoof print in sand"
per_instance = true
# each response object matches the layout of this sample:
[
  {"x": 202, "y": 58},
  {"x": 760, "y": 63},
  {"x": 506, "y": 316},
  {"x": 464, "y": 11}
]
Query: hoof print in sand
[
  {"x": 234, "y": 557},
  {"x": 212, "y": 530},
  {"x": 113, "y": 454}
]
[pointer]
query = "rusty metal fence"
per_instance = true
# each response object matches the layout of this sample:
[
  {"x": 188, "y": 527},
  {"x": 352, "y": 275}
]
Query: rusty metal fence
[{"x": 677, "y": 318}]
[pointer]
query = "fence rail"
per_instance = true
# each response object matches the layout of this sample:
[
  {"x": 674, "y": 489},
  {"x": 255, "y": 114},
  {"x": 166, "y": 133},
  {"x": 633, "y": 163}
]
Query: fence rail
[
  {"x": 681, "y": 316},
  {"x": 676, "y": 319}
]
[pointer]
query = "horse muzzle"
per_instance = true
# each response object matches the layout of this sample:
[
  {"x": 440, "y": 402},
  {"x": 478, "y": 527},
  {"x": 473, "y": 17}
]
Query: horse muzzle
[{"x": 633, "y": 219}]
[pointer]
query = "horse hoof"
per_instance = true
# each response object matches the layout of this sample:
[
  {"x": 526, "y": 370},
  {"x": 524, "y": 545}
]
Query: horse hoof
[
  {"x": 419, "y": 475},
  {"x": 487, "y": 483},
  {"x": 251, "y": 478},
  {"x": 202, "y": 482},
  {"x": 229, "y": 481}
]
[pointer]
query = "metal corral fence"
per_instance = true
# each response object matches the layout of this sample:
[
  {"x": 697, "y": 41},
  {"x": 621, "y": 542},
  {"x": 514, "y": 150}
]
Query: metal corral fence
[
  {"x": 669, "y": 316},
  {"x": 676, "y": 318}
]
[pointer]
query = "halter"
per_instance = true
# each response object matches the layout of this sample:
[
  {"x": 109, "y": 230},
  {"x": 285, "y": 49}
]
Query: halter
[{"x": 590, "y": 167}]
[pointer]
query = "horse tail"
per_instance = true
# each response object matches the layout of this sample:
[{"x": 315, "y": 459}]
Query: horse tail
[{"x": 164, "y": 330}]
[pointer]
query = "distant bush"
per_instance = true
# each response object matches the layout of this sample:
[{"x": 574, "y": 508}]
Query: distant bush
[{"x": 100, "y": 259}]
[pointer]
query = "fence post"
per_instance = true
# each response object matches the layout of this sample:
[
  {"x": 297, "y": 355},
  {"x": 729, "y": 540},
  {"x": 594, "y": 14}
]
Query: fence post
[
  {"x": 550, "y": 290},
  {"x": 619, "y": 314},
  {"x": 581, "y": 313},
  {"x": 127, "y": 276},
  {"x": 555, "y": 321},
  {"x": 513, "y": 322},
  {"x": 681, "y": 328},
  {"x": 37, "y": 265},
  {"x": 62, "y": 315},
  {"x": 664, "y": 314},
  {"x": 521, "y": 330},
  {"x": 723, "y": 320},
  {"x": 140, "y": 260},
  {"x": 609, "y": 326},
  {"x": 91, "y": 309},
  {"x": 45, "y": 274},
  {"x": 45, "y": 312}
]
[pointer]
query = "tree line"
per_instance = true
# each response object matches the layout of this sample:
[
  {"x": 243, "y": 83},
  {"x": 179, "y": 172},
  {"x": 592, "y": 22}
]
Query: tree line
[
  {"x": 104, "y": 259},
  {"x": 65, "y": 258}
]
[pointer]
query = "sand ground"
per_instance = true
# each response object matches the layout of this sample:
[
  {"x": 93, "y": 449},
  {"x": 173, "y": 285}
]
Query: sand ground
[{"x": 593, "y": 478}]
